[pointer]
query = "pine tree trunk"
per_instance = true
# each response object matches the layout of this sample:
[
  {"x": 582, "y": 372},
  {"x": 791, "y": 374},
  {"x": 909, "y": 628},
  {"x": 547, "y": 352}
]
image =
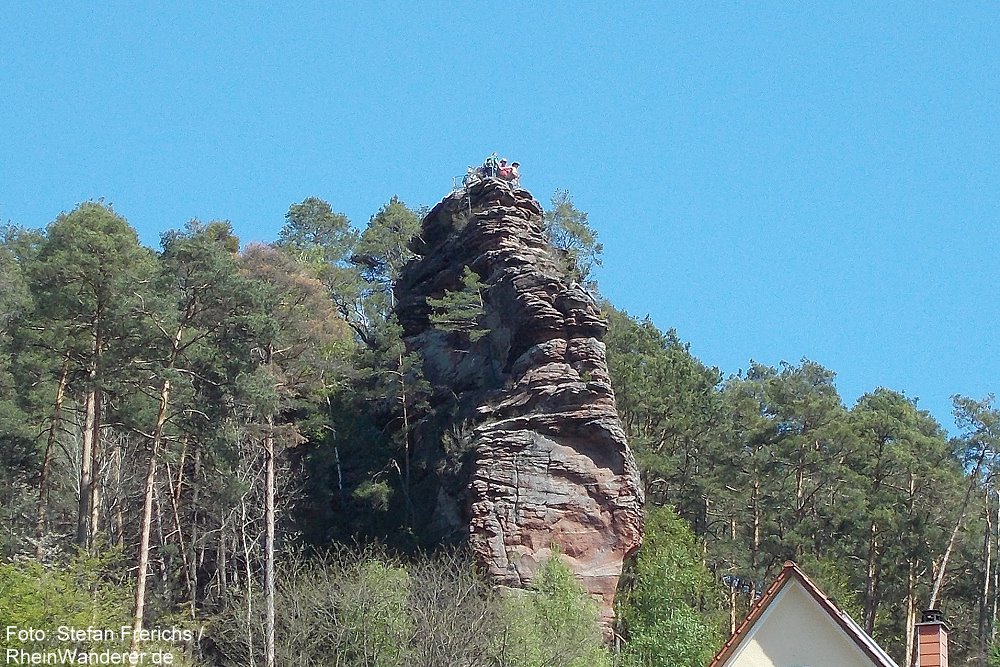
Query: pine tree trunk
[
  {"x": 195, "y": 535},
  {"x": 83, "y": 526},
  {"x": 182, "y": 549},
  {"x": 984, "y": 609},
  {"x": 223, "y": 558},
  {"x": 406, "y": 445},
  {"x": 871, "y": 587},
  {"x": 911, "y": 613},
  {"x": 996, "y": 574},
  {"x": 248, "y": 585},
  {"x": 118, "y": 524},
  {"x": 732, "y": 588},
  {"x": 755, "y": 547},
  {"x": 147, "y": 517},
  {"x": 943, "y": 567},
  {"x": 800, "y": 484},
  {"x": 269, "y": 544},
  {"x": 188, "y": 549},
  {"x": 86, "y": 526},
  {"x": 97, "y": 458},
  {"x": 50, "y": 442},
  {"x": 911, "y": 584}
]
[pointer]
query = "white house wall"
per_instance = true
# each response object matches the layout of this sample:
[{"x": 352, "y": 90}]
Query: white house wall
[{"x": 796, "y": 632}]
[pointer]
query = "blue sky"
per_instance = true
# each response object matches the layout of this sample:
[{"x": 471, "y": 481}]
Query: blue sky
[{"x": 774, "y": 180}]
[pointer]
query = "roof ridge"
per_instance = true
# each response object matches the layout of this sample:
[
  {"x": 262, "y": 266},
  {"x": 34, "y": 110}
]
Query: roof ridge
[{"x": 850, "y": 627}]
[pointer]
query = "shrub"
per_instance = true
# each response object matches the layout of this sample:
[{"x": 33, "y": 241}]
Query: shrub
[
  {"x": 664, "y": 613},
  {"x": 553, "y": 625}
]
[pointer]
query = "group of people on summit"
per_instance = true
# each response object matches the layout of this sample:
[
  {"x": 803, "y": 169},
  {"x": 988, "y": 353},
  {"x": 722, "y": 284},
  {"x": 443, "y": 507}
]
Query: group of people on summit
[
  {"x": 508, "y": 172},
  {"x": 496, "y": 167}
]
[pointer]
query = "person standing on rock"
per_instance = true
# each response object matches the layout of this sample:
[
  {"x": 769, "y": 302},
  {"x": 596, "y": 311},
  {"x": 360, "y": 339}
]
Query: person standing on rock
[
  {"x": 504, "y": 172},
  {"x": 491, "y": 166},
  {"x": 515, "y": 173}
]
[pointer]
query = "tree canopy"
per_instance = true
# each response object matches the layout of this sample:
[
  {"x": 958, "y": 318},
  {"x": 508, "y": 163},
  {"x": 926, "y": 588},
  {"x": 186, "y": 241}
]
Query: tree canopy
[{"x": 220, "y": 436}]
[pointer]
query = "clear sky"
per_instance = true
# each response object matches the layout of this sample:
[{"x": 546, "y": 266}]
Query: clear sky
[{"x": 774, "y": 180}]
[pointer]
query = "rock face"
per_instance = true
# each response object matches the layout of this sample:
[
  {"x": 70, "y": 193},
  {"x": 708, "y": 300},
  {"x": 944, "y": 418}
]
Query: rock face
[{"x": 539, "y": 457}]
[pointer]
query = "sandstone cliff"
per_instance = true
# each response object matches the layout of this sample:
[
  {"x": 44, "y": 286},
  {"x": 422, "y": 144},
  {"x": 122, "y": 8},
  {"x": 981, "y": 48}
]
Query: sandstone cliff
[{"x": 523, "y": 417}]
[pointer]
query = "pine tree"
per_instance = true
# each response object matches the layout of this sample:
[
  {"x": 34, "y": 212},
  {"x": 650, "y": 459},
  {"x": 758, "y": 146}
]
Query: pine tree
[
  {"x": 88, "y": 281},
  {"x": 198, "y": 287},
  {"x": 568, "y": 230},
  {"x": 461, "y": 310},
  {"x": 291, "y": 339}
]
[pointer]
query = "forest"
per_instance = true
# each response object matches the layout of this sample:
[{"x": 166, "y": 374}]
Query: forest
[{"x": 205, "y": 447}]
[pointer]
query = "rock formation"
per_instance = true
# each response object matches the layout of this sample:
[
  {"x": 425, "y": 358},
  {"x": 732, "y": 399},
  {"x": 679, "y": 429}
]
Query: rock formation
[{"x": 539, "y": 457}]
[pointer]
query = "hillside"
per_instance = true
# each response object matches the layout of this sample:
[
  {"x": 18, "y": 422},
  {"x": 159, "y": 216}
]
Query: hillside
[{"x": 337, "y": 443}]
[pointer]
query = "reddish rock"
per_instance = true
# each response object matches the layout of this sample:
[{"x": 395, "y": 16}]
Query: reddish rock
[{"x": 546, "y": 464}]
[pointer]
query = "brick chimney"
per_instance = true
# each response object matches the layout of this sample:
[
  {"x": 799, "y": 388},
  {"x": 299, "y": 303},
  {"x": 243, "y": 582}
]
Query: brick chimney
[{"x": 932, "y": 640}]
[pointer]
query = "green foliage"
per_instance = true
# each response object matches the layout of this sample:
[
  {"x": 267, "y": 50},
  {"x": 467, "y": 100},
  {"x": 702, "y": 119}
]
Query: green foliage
[
  {"x": 792, "y": 425},
  {"x": 292, "y": 327},
  {"x": 378, "y": 624},
  {"x": 669, "y": 613},
  {"x": 375, "y": 493},
  {"x": 770, "y": 466},
  {"x": 358, "y": 482},
  {"x": 461, "y": 310},
  {"x": 18, "y": 456},
  {"x": 367, "y": 609},
  {"x": 980, "y": 422},
  {"x": 569, "y": 232},
  {"x": 384, "y": 249},
  {"x": 24, "y": 388},
  {"x": 77, "y": 593},
  {"x": 299, "y": 341},
  {"x": 838, "y": 579},
  {"x": 994, "y": 656},
  {"x": 88, "y": 256},
  {"x": 671, "y": 409},
  {"x": 348, "y": 609},
  {"x": 323, "y": 242},
  {"x": 904, "y": 477},
  {"x": 555, "y": 623},
  {"x": 88, "y": 280},
  {"x": 347, "y": 490},
  {"x": 314, "y": 231},
  {"x": 15, "y": 300}
]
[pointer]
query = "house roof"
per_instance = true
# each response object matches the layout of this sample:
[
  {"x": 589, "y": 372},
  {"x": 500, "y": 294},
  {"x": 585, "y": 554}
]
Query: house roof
[{"x": 791, "y": 572}]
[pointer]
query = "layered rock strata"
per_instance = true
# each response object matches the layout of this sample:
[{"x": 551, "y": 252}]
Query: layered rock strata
[{"x": 544, "y": 464}]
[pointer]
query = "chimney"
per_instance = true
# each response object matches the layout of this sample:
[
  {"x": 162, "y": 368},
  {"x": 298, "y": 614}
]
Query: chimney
[{"x": 932, "y": 640}]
